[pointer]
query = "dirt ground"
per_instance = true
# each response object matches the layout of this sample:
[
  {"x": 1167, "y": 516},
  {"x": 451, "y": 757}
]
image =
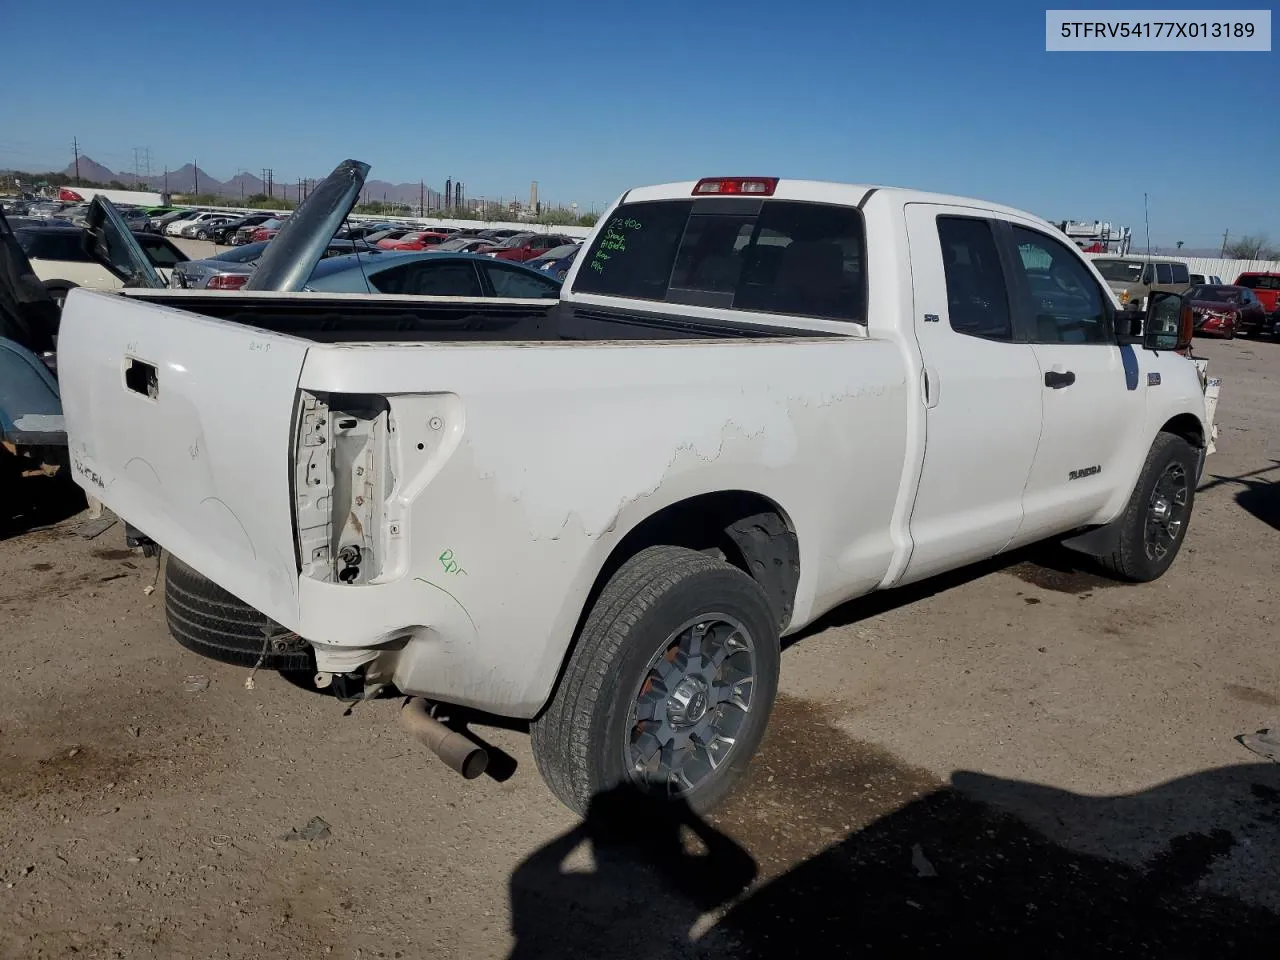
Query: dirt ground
[{"x": 1023, "y": 758}]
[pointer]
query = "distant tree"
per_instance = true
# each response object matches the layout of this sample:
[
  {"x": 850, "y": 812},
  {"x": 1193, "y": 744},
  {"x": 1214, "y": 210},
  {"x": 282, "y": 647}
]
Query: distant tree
[
  {"x": 260, "y": 201},
  {"x": 1252, "y": 247},
  {"x": 557, "y": 217},
  {"x": 116, "y": 185},
  {"x": 382, "y": 208},
  {"x": 588, "y": 219}
]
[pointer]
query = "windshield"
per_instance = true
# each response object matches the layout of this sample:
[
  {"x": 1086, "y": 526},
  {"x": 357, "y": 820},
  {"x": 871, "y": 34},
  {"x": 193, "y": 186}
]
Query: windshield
[
  {"x": 1121, "y": 271},
  {"x": 1260, "y": 282},
  {"x": 453, "y": 245},
  {"x": 1214, "y": 294},
  {"x": 519, "y": 240}
]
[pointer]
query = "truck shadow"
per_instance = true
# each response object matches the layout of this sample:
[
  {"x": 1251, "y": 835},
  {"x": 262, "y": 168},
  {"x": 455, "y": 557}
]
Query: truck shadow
[
  {"x": 1258, "y": 495},
  {"x": 847, "y": 847}
]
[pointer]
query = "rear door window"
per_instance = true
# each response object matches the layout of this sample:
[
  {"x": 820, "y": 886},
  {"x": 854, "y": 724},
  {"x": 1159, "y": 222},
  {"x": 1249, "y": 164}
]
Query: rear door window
[
  {"x": 977, "y": 294},
  {"x": 429, "y": 279},
  {"x": 773, "y": 256},
  {"x": 1163, "y": 273},
  {"x": 514, "y": 282},
  {"x": 1180, "y": 273}
]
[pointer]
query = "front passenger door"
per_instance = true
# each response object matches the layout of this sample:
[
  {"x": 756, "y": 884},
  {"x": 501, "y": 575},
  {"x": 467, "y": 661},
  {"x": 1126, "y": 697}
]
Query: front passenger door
[{"x": 1091, "y": 399}]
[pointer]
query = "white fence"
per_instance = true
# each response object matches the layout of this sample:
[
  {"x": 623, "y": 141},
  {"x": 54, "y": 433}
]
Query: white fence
[
  {"x": 577, "y": 233},
  {"x": 1228, "y": 270}
]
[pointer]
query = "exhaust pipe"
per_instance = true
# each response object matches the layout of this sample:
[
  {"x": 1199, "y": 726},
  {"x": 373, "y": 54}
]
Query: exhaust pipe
[{"x": 459, "y": 752}]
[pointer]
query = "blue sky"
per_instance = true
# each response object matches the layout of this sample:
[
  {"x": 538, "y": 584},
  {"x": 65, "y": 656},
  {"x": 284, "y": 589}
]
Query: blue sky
[{"x": 589, "y": 99}]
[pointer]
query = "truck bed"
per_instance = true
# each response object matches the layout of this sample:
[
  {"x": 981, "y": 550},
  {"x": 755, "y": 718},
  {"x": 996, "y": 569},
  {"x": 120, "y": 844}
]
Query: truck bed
[{"x": 356, "y": 318}]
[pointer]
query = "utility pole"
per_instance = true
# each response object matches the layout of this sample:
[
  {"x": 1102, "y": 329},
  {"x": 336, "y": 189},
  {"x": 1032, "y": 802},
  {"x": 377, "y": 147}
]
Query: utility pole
[
  {"x": 1223, "y": 254},
  {"x": 195, "y": 173},
  {"x": 422, "y": 198},
  {"x": 75, "y": 149}
]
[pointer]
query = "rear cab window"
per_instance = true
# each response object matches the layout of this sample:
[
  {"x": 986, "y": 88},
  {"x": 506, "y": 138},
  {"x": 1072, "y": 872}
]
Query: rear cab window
[{"x": 766, "y": 256}]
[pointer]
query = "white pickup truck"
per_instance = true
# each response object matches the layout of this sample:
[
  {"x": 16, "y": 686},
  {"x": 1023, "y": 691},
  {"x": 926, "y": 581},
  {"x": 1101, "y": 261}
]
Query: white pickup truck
[{"x": 756, "y": 399}]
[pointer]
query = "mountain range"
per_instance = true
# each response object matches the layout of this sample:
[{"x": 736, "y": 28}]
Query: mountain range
[{"x": 191, "y": 179}]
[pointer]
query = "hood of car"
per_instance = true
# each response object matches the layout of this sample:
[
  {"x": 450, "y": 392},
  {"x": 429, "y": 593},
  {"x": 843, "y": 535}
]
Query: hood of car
[
  {"x": 113, "y": 245},
  {"x": 303, "y": 238}
]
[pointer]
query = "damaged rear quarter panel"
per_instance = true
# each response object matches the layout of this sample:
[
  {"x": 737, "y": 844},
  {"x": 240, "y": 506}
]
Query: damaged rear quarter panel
[{"x": 563, "y": 448}]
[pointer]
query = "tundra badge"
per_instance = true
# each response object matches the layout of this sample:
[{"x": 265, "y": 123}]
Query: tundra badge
[{"x": 1083, "y": 472}]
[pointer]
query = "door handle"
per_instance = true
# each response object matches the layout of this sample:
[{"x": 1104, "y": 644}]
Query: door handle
[{"x": 1057, "y": 380}]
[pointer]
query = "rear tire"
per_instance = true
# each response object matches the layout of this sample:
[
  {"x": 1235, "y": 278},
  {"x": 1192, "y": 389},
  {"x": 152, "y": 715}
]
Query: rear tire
[
  {"x": 209, "y": 621},
  {"x": 1155, "y": 520},
  {"x": 202, "y": 234},
  {"x": 637, "y": 677}
]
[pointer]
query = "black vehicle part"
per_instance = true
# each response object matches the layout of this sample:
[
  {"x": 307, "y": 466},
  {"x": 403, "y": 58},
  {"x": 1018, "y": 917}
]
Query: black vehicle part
[
  {"x": 133, "y": 537},
  {"x": 669, "y": 686},
  {"x": 1151, "y": 530},
  {"x": 209, "y": 621},
  {"x": 57, "y": 290}
]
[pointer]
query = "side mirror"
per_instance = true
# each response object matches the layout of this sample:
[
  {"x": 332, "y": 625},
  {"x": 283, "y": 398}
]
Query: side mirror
[
  {"x": 1128, "y": 326},
  {"x": 1167, "y": 324}
]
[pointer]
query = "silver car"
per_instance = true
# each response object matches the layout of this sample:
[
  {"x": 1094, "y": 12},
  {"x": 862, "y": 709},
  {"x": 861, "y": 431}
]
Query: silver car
[{"x": 231, "y": 269}]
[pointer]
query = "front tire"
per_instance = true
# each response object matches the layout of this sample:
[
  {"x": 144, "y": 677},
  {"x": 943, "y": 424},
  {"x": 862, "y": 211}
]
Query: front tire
[
  {"x": 1155, "y": 520},
  {"x": 202, "y": 234},
  {"x": 669, "y": 687}
]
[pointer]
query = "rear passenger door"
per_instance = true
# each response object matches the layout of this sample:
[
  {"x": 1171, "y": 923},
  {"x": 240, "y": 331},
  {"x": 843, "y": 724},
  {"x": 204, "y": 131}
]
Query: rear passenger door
[
  {"x": 1092, "y": 402},
  {"x": 982, "y": 421}
]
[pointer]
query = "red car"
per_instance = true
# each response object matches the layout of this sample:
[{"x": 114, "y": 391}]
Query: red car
[
  {"x": 266, "y": 231},
  {"x": 525, "y": 246},
  {"x": 1266, "y": 287},
  {"x": 414, "y": 240},
  {"x": 1224, "y": 311}
]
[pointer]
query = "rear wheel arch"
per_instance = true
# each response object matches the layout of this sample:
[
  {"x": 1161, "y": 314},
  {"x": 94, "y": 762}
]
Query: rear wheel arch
[{"x": 745, "y": 529}]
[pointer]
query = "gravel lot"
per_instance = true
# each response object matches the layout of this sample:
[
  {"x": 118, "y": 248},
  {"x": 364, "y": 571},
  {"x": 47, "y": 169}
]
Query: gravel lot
[{"x": 1024, "y": 758}]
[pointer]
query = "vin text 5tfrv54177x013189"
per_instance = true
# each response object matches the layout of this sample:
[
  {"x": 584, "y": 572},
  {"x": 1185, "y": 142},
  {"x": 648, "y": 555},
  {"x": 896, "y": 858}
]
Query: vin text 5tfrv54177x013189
[{"x": 755, "y": 399}]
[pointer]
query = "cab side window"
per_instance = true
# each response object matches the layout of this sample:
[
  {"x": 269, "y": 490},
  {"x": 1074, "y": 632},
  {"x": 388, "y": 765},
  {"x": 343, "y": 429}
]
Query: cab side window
[
  {"x": 1163, "y": 273},
  {"x": 1180, "y": 273},
  {"x": 977, "y": 295},
  {"x": 1064, "y": 301}
]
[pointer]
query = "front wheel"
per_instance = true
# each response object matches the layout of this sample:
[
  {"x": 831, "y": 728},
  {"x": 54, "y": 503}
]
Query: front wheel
[
  {"x": 202, "y": 234},
  {"x": 669, "y": 687},
  {"x": 1155, "y": 520}
]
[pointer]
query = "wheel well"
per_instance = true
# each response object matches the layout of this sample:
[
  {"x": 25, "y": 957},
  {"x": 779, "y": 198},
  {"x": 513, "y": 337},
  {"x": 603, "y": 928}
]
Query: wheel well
[
  {"x": 745, "y": 529},
  {"x": 1186, "y": 426}
]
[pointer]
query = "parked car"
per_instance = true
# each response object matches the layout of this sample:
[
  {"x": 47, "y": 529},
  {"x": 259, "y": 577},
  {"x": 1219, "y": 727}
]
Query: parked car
[
  {"x": 1133, "y": 279},
  {"x": 1225, "y": 311},
  {"x": 1206, "y": 279},
  {"x": 265, "y": 230},
  {"x": 526, "y": 246},
  {"x": 161, "y": 223},
  {"x": 361, "y": 231},
  {"x": 175, "y": 228},
  {"x": 62, "y": 258},
  {"x": 413, "y": 240},
  {"x": 514, "y": 512},
  {"x": 389, "y": 233},
  {"x": 1266, "y": 286},
  {"x": 462, "y": 244},
  {"x": 231, "y": 269},
  {"x": 205, "y": 229},
  {"x": 556, "y": 261},
  {"x": 222, "y": 233},
  {"x": 431, "y": 274}
]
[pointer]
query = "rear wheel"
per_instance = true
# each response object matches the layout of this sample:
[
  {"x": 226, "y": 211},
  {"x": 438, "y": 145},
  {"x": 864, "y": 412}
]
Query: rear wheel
[
  {"x": 1155, "y": 520},
  {"x": 209, "y": 621},
  {"x": 669, "y": 687},
  {"x": 202, "y": 234}
]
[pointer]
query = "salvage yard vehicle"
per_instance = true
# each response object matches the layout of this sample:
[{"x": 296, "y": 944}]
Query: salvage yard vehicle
[
  {"x": 63, "y": 257},
  {"x": 756, "y": 399},
  {"x": 1134, "y": 279}
]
